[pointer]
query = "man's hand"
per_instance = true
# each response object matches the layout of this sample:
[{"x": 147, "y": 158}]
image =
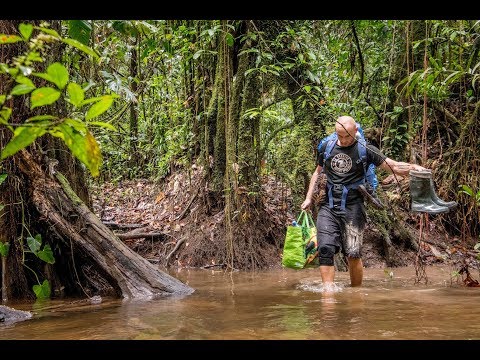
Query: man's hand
[
  {"x": 306, "y": 204},
  {"x": 419, "y": 168}
]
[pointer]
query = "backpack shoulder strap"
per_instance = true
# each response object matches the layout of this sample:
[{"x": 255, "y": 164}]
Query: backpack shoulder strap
[
  {"x": 362, "y": 153},
  {"x": 329, "y": 148}
]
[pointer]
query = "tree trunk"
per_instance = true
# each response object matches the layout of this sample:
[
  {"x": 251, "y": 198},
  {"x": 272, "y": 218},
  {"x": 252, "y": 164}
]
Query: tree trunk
[
  {"x": 130, "y": 275},
  {"x": 133, "y": 106},
  {"x": 15, "y": 281},
  {"x": 219, "y": 150}
]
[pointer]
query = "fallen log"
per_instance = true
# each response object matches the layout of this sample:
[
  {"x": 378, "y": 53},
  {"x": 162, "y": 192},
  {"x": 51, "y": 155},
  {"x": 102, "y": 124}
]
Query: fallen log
[{"x": 61, "y": 208}]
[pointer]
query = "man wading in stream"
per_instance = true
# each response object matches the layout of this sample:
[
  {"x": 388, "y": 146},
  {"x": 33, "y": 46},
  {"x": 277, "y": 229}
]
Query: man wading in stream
[{"x": 341, "y": 218}]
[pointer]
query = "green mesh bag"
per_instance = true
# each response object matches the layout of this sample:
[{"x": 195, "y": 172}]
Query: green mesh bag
[{"x": 295, "y": 249}]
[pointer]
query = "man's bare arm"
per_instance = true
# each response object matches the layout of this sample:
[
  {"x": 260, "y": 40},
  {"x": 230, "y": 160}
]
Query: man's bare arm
[
  {"x": 400, "y": 167},
  {"x": 311, "y": 188}
]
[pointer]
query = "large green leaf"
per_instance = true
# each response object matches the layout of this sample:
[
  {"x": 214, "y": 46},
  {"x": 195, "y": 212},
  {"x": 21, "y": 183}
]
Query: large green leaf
[
  {"x": 5, "y": 114},
  {"x": 99, "y": 107},
  {"x": 80, "y": 46},
  {"x": 76, "y": 94},
  {"x": 24, "y": 80},
  {"x": 46, "y": 254},
  {"x": 49, "y": 31},
  {"x": 44, "y": 96},
  {"x": 22, "y": 137},
  {"x": 80, "y": 30},
  {"x": 82, "y": 144},
  {"x": 9, "y": 39},
  {"x": 56, "y": 73},
  {"x": 42, "y": 291},
  {"x": 229, "y": 39},
  {"x": 25, "y": 30},
  {"x": 2, "y": 99},
  {"x": 22, "y": 89},
  {"x": 34, "y": 243}
]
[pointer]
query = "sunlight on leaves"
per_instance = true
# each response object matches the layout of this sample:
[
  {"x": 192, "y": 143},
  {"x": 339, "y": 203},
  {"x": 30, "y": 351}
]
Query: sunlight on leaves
[
  {"x": 9, "y": 39},
  {"x": 81, "y": 46},
  {"x": 44, "y": 96},
  {"x": 81, "y": 142},
  {"x": 100, "y": 107},
  {"x": 76, "y": 94},
  {"x": 56, "y": 73},
  {"x": 22, "y": 89},
  {"x": 25, "y": 30},
  {"x": 22, "y": 137}
]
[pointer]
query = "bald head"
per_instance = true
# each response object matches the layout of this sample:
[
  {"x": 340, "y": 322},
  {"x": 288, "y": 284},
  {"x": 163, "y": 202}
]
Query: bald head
[{"x": 346, "y": 128}]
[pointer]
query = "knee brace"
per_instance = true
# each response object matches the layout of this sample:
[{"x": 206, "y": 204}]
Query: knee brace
[{"x": 325, "y": 254}]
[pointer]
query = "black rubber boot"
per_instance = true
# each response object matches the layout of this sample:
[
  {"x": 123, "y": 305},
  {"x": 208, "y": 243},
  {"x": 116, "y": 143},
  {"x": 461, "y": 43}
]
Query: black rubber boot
[
  {"x": 421, "y": 193},
  {"x": 436, "y": 199}
]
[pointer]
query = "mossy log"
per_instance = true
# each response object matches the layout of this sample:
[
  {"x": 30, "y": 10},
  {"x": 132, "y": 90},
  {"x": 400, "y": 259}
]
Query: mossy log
[{"x": 133, "y": 276}]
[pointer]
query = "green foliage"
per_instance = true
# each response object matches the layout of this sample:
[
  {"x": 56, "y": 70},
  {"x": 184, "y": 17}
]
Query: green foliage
[
  {"x": 73, "y": 131},
  {"x": 45, "y": 254},
  {"x": 465, "y": 189},
  {"x": 82, "y": 47},
  {"x": 56, "y": 73},
  {"x": 289, "y": 154},
  {"x": 80, "y": 30},
  {"x": 174, "y": 145},
  {"x": 4, "y": 247},
  {"x": 42, "y": 291},
  {"x": 475, "y": 196},
  {"x": 397, "y": 137},
  {"x": 446, "y": 68}
]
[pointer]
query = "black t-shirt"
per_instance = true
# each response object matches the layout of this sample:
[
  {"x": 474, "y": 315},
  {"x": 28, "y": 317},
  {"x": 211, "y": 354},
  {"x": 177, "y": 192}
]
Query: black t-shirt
[{"x": 345, "y": 167}]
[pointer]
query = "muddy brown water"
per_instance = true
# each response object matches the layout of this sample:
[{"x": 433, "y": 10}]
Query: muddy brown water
[{"x": 281, "y": 304}]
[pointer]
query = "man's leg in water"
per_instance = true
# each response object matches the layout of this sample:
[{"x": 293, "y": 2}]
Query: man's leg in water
[
  {"x": 355, "y": 268},
  {"x": 353, "y": 240},
  {"x": 328, "y": 236},
  {"x": 327, "y": 273}
]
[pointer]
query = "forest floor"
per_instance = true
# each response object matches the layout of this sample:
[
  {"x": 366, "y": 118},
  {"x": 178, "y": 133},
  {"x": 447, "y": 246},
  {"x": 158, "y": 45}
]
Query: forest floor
[{"x": 178, "y": 230}]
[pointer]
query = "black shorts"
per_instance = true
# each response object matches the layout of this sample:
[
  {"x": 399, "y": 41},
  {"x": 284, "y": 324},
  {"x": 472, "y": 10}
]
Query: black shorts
[{"x": 343, "y": 229}]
